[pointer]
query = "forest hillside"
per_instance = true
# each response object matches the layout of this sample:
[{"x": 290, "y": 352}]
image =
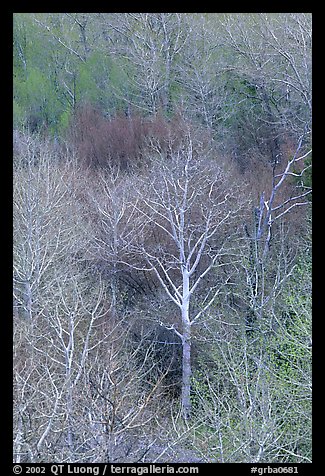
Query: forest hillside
[{"x": 162, "y": 237}]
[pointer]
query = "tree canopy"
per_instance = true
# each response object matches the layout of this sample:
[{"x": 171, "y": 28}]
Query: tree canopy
[{"x": 162, "y": 237}]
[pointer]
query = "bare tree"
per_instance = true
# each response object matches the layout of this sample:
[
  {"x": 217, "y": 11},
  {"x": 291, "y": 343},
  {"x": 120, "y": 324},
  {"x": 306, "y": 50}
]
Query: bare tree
[
  {"x": 152, "y": 43},
  {"x": 49, "y": 232},
  {"x": 111, "y": 197},
  {"x": 273, "y": 53},
  {"x": 270, "y": 232},
  {"x": 255, "y": 393},
  {"x": 125, "y": 387},
  {"x": 81, "y": 386},
  {"x": 203, "y": 73},
  {"x": 83, "y": 390},
  {"x": 48, "y": 224},
  {"x": 191, "y": 204}
]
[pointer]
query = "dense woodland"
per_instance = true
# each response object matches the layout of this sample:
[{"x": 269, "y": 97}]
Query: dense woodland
[{"x": 162, "y": 237}]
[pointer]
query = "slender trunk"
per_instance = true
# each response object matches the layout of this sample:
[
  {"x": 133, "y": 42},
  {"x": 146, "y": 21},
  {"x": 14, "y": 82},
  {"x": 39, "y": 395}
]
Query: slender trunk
[
  {"x": 115, "y": 254},
  {"x": 18, "y": 442},
  {"x": 186, "y": 343},
  {"x": 69, "y": 351},
  {"x": 27, "y": 300},
  {"x": 166, "y": 90},
  {"x": 70, "y": 421},
  {"x": 186, "y": 374},
  {"x": 113, "y": 306}
]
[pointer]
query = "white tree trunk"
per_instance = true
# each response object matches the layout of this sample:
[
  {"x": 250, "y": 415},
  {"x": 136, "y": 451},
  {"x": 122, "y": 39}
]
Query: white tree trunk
[
  {"x": 186, "y": 343},
  {"x": 186, "y": 373}
]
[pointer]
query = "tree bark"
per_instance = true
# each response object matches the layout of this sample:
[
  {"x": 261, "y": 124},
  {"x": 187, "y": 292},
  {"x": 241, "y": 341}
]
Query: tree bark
[
  {"x": 186, "y": 373},
  {"x": 186, "y": 343}
]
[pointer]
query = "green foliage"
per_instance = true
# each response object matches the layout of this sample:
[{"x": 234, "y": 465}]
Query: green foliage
[
  {"x": 93, "y": 79},
  {"x": 36, "y": 97},
  {"x": 50, "y": 56},
  {"x": 19, "y": 116},
  {"x": 292, "y": 353},
  {"x": 200, "y": 389},
  {"x": 64, "y": 121}
]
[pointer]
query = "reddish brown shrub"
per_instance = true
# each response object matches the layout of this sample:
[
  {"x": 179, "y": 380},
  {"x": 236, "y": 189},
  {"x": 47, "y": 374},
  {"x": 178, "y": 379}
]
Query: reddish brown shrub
[
  {"x": 102, "y": 142},
  {"x": 123, "y": 141}
]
